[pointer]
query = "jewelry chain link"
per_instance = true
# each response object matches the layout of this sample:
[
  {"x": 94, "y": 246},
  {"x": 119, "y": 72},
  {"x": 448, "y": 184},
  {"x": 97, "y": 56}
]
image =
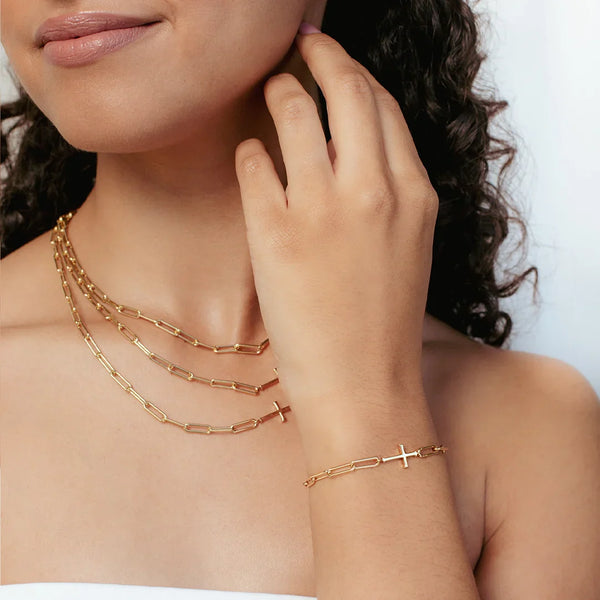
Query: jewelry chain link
[
  {"x": 100, "y": 299},
  {"x": 125, "y": 384},
  {"x": 375, "y": 461}
]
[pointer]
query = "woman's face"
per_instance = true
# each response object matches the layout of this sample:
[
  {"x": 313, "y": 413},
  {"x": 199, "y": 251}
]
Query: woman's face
[{"x": 198, "y": 57}]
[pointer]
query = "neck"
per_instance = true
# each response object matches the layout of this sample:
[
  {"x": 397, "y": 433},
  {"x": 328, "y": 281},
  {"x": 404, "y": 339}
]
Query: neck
[{"x": 164, "y": 230}]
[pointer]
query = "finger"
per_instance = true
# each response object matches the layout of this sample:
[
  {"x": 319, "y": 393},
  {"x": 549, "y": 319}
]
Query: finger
[
  {"x": 402, "y": 155},
  {"x": 263, "y": 196},
  {"x": 301, "y": 136},
  {"x": 403, "y": 159},
  {"x": 351, "y": 108}
]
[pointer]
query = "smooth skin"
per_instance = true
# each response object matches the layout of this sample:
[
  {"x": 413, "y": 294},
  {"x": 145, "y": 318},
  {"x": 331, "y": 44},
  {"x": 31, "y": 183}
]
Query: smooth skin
[{"x": 338, "y": 245}]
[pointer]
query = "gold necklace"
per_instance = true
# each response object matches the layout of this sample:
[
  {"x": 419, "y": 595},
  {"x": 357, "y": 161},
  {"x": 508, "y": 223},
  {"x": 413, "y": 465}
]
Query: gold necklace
[
  {"x": 124, "y": 383},
  {"x": 100, "y": 300}
]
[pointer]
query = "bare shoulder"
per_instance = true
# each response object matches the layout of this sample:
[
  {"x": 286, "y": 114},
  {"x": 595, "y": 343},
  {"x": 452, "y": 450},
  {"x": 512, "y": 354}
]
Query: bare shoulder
[
  {"x": 30, "y": 291},
  {"x": 543, "y": 485},
  {"x": 33, "y": 314},
  {"x": 503, "y": 383},
  {"x": 536, "y": 419}
]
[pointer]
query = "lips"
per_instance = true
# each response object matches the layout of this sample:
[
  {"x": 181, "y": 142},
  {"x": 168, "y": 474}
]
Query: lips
[
  {"x": 82, "y": 24},
  {"x": 83, "y": 38}
]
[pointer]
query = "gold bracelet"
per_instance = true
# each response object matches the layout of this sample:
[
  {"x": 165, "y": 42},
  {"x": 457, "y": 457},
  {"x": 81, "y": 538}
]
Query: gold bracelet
[{"x": 375, "y": 461}]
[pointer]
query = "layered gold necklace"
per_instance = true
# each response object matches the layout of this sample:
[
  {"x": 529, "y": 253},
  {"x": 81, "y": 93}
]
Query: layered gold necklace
[{"x": 66, "y": 261}]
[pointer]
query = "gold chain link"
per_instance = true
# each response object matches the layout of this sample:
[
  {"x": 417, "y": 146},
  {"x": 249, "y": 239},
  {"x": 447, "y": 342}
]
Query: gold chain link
[
  {"x": 100, "y": 299},
  {"x": 126, "y": 385},
  {"x": 375, "y": 461},
  {"x": 136, "y": 313}
]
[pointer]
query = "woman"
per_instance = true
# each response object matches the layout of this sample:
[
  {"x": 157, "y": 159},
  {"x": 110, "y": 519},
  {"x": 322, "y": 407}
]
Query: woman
[{"x": 207, "y": 200}]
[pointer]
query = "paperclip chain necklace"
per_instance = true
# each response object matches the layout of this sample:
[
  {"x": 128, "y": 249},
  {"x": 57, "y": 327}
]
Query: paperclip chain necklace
[
  {"x": 124, "y": 383},
  {"x": 100, "y": 300}
]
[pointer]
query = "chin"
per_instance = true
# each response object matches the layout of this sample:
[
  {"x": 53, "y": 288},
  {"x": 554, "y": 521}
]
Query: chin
[
  {"x": 138, "y": 116},
  {"x": 121, "y": 135},
  {"x": 114, "y": 140},
  {"x": 127, "y": 124}
]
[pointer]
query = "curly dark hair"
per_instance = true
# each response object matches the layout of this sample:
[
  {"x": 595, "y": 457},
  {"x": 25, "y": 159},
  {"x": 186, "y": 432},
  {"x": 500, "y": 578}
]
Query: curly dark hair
[{"x": 427, "y": 54}]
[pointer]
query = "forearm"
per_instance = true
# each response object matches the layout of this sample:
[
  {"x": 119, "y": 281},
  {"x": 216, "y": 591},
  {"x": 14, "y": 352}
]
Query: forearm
[{"x": 385, "y": 532}]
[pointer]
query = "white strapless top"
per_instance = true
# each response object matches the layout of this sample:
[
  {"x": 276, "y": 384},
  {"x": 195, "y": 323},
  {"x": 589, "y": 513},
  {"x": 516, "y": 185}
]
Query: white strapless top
[{"x": 112, "y": 591}]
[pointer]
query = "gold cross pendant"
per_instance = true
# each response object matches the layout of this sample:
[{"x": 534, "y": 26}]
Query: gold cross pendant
[{"x": 422, "y": 452}]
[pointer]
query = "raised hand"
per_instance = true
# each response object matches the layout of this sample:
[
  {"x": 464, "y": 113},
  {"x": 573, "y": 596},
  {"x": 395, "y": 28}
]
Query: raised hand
[{"x": 342, "y": 255}]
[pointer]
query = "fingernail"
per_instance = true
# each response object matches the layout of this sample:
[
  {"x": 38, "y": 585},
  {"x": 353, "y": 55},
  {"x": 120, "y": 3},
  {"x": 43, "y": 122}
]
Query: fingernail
[{"x": 306, "y": 28}]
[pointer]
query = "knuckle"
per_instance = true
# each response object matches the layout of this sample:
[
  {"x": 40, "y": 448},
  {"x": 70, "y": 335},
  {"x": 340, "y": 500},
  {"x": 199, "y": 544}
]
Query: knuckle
[
  {"x": 423, "y": 199},
  {"x": 360, "y": 66},
  {"x": 252, "y": 163},
  {"x": 377, "y": 198},
  {"x": 353, "y": 82},
  {"x": 322, "y": 44},
  {"x": 431, "y": 205},
  {"x": 388, "y": 102},
  {"x": 431, "y": 201},
  {"x": 294, "y": 106}
]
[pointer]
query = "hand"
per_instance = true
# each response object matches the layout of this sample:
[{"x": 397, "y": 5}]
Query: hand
[{"x": 342, "y": 256}]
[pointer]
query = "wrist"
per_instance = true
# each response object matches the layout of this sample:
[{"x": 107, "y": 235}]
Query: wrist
[
  {"x": 353, "y": 392},
  {"x": 319, "y": 375},
  {"x": 347, "y": 422}
]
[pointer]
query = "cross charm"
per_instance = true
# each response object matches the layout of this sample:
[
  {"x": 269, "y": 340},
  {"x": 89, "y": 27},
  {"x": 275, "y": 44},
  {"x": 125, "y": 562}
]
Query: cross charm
[
  {"x": 273, "y": 414},
  {"x": 403, "y": 455},
  {"x": 280, "y": 411}
]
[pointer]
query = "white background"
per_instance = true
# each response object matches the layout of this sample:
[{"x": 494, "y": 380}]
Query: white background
[{"x": 545, "y": 60}]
